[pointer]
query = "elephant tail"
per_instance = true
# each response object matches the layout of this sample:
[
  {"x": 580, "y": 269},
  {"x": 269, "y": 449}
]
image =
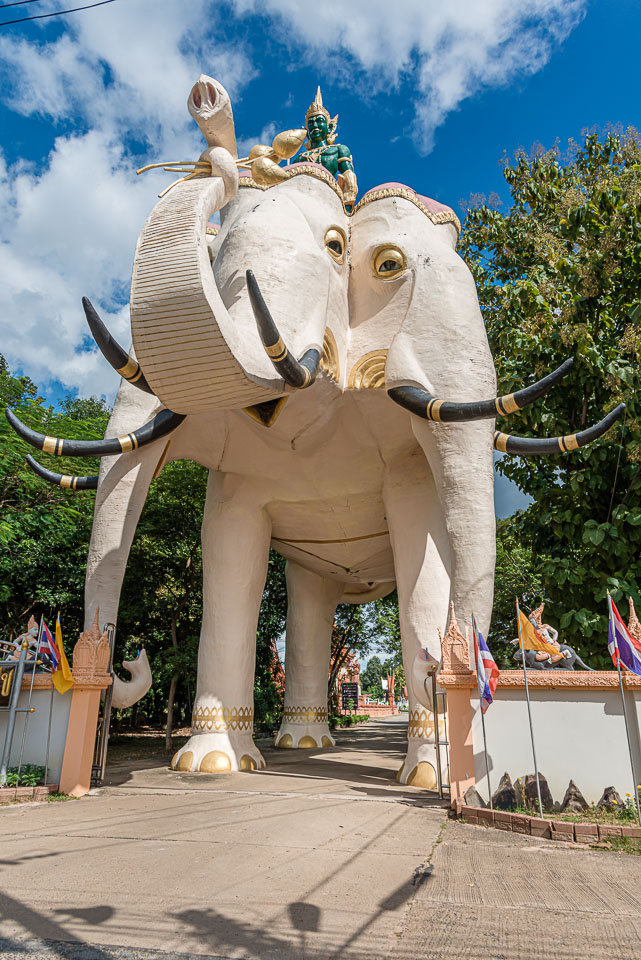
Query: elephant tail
[{"x": 582, "y": 664}]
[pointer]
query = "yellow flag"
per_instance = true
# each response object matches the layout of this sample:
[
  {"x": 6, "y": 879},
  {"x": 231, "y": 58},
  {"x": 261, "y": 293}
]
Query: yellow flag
[
  {"x": 62, "y": 678},
  {"x": 530, "y": 639}
]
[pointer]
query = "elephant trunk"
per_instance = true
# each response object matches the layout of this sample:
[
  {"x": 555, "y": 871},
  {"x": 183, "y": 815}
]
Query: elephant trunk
[{"x": 126, "y": 694}]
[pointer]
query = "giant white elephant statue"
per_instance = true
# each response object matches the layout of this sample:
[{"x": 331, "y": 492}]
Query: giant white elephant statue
[{"x": 371, "y": 471}]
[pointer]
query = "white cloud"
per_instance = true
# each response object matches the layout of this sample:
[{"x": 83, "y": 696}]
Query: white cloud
[
  {"x": 69, "y": 228},
  {"x": 446, "y": 50}
]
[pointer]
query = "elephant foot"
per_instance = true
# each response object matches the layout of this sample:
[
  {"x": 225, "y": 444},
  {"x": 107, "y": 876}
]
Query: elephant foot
[
  {"x": 218, "y": 753},
  {"x": 303, "y": 736},
  {"x": 419, "y": 767}
]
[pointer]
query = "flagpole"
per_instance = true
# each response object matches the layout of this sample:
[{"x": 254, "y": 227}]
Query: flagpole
[
  {"x": 625, "y": 712},
  {"x": 529, "y": 709},
  {"x": 476, "y": 664},
  {"x": 49, "y": 734},
  {"x": 33, "y": 671}
]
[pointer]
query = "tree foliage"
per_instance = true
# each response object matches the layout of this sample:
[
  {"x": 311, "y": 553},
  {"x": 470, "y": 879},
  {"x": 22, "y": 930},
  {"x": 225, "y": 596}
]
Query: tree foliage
[
  {"x": 559, "y": 275},
  {"x": 44, "y": 529}
]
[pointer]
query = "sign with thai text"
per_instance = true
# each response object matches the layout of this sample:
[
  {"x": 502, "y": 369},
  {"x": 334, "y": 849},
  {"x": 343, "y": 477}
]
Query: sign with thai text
[{"x": 349, "y": 696}]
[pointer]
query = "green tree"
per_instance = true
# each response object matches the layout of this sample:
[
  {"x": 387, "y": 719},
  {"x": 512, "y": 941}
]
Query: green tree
[
  {"x": 559, "y": 275},
  {"x": 44, "y": 529},
  {"x": 371, "y": 678}
]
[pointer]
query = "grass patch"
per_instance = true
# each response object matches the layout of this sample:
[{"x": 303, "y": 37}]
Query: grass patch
[
  {"x": 349, "y": 720},
  {"x": 622, "y": 845},
  {"x": 626, "y": 816}
]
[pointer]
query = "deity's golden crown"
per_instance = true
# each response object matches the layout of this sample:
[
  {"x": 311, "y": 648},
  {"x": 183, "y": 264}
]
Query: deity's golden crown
[{"x": 317, "y": 108}]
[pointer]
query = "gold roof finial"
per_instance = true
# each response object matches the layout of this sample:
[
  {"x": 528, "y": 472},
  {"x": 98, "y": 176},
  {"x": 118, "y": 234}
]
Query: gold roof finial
[{"x": 317, "y": 107}]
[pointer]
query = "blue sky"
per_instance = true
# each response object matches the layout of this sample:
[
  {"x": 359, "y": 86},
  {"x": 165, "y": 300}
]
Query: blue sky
[{"x": 427, "y": 93}]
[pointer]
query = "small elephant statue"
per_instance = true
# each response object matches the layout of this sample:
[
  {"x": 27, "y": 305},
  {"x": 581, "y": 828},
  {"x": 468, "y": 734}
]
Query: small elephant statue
[{"x": 570, "y": 658}]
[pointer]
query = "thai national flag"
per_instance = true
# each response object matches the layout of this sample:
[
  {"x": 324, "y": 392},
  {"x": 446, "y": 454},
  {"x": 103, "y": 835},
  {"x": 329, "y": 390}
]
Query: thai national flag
[
  {"x": 487, "y": 672},
  {"x": 47, "y": 643},
  {"x": 619, "y": 639}
]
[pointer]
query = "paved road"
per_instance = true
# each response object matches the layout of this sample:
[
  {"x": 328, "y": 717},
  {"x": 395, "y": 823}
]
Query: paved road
[{"x": 322, "y": 857}]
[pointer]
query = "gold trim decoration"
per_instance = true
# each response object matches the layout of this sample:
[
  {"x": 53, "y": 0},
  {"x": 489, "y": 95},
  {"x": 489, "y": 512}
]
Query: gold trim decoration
[
  {"x": 330, "y": 363},
  {"x": 368, "y": 373},
  {"x": 336, "y": 235},
  {"x": 128, "y": 443},
  {"x": 296, "y": 170},
  {"x": 216, "y": 761},
  {"x": 421, "y": 724},
  {"x": 423, "y": 775},
  {"x": 277, "y": 351},
  {"x": 445, "y": 216},
  {"x": 221, "y": 719},
  {"x": 434, "y": 410},
  {"x": 569, "y": 443},
  {"x": 254, "y": 412},
  {"x": 506, "y": 405},
  {"x": 131, "y": 370},
  {"x": 500, "y": 441},
  {"x": 305, "y": 715},
  {"x": 51, "y": 445},
  {"x": 307, "y": 743},
  {"x": 384, "y": 253},
  {"x": 184, "y": 762}
]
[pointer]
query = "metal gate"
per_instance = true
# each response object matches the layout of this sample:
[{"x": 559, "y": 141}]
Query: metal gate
[
  {"x": 104, "y": 717},
  {"x": 444, "y": 790}
]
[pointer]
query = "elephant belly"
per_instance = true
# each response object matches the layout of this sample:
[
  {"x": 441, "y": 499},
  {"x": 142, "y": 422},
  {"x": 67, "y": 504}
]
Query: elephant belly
[{"x": 344, "y": 538}]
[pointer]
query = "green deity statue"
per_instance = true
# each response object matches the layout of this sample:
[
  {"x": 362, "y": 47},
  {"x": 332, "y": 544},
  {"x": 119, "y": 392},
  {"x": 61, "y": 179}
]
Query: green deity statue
[
  {"x": 335, "y": 157},
  {"x": 318, "y": 134}
]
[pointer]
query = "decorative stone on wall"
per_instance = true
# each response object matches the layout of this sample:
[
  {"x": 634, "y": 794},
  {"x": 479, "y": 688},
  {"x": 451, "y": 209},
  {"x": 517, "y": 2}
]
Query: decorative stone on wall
[{"x": 91, "y": 656}]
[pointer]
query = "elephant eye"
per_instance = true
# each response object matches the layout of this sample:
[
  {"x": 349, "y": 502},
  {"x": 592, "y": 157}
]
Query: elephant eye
[
  {"x": 336, "y": 244},
  {"x": 388, "y": 262}
]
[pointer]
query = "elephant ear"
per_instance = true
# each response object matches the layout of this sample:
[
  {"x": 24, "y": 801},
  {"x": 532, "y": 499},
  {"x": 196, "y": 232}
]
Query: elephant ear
[{"x": 441, "y": 344}]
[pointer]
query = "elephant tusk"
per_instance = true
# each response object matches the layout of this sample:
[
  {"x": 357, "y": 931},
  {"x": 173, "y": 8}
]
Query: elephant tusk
[
  {"x": 63, "y": 479},
  {"x": 297, "y": 373},
  {"x": 535, "y": 446},
  {"x": 162, "y": 424},
  {"x": 126, "y": 366},
  {"x": 424, "y": 405}
]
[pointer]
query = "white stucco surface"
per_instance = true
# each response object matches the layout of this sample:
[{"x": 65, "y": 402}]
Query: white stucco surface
[{"x": 579, "y": 735}]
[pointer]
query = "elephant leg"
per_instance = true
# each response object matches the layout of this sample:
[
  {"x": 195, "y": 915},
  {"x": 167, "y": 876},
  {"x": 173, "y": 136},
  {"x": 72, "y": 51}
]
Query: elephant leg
[
  {"x": 235, "y": 535},
  {"x": 460, "y": 458},
  {"x": 311, "y": 602},
  {"x": 421, "y": 561},
  {"x": 122, "y": 491}
]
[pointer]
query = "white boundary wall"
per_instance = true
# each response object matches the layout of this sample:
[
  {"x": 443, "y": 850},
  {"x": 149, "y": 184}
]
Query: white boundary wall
[{"x": 579, "y": 734}]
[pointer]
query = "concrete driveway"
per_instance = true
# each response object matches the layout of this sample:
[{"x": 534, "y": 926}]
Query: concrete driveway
[{"x": 323, "y": 855}]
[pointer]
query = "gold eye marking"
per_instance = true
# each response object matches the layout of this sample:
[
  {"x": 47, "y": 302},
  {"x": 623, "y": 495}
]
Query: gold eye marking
[
  {"x": 336, "y": 244},
  {"x": 388, "y": 262}
]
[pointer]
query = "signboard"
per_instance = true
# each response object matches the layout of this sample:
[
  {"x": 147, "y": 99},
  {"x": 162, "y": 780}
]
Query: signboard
[
  {"x": 349, "y": 692},
  {"x": 6, "y": 680}
]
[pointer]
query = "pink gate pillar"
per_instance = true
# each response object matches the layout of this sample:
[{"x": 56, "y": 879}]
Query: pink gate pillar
[
  {"x": 91, "y": 676},
  {"x": 458, "y": 679}
]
